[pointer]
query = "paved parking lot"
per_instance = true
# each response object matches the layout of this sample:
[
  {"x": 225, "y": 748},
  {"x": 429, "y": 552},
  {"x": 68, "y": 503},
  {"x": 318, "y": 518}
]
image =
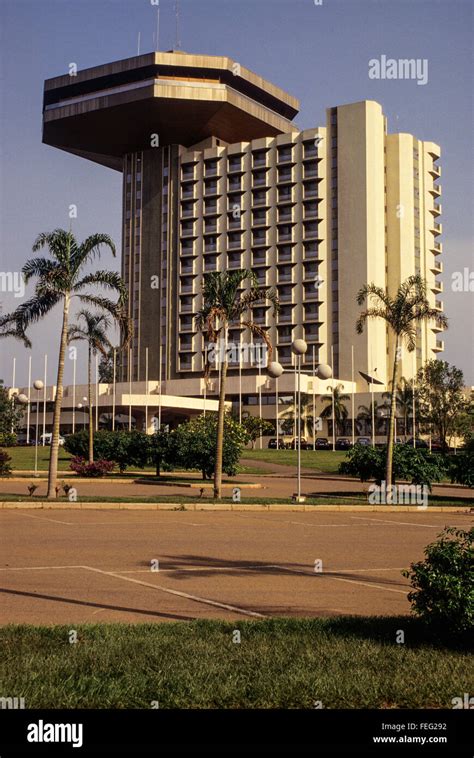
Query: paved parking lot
[{"x": 71, "y": 566}]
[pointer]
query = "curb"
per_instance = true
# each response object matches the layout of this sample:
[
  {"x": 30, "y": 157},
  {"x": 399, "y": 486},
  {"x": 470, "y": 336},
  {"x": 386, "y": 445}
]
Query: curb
[{"x": 46, "y": 505}]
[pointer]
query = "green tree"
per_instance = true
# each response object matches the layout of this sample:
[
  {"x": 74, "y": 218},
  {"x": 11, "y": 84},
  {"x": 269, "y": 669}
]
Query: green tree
[
  {"x": 10, "y": 417},
  {"x": 195, "y": 444},
  {"x": 340, "y": 410},
  {"x": 92, "y": 330},
  {"x": 224, "y": 307},
  {"x": 442, "y": 400},
  {"x": 106, "y": 364},
  {"x": 402, "y": 313},
  {"x": 60, "y": 278},
  {"x": 257, "y": 427},
  {"x": 162, "y": 449}
]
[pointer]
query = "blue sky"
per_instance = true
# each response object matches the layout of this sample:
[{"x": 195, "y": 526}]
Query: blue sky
[{"x": 318, "y": 53}]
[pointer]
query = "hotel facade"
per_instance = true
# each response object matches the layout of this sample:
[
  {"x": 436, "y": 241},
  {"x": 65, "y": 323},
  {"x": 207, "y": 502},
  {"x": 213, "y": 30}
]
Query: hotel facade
[{"x": 217, "y": 177}]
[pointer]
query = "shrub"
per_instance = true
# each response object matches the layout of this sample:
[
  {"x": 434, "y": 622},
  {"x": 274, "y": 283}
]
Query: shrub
[
  {"x": 98, "y": 468},
  {"x": 7, "y": 439},
  {"x": 461, "y": 466},
  {"x": 195, "y": 442},
  {"x": 124, "y": 448},
  {"x": 5, "y": 468},
  {"x": 443, "y": 584},
  {"x": 413, "y": 465}
]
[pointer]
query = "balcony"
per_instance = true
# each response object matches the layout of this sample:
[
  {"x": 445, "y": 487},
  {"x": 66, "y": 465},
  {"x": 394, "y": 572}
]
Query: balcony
[
  {"x": 437, "y": 267},
  {"x": 285, "y": 316},
  {"x": 235, "y": 185},
  {"x": 259, "y": 259},
  {"x": 187, "y": 249},
  {"x": 210, "y": 189},
  {"x": 438, "y": 228},
  {"x": 187, "y": 174},
  {"x": 187, "y": 212},
  {"x": 259, "y": 180},
  {"x": 234, "y": 166},
  {"x": 284, "y": 156},
  {"x": 284, "y": 339},
  {"x": 186, "y": 326},
  {"x": 210, "y": 229},
  {"x": 284, "y": 176},
  {"x": 437, "y": 248},
  {"x": 311, "y": 315},
  {"x": 436, "y": 209},
  {"x": 439, "y": 305},
  {"x": 210, "y": 209},
  {"x": 187, "y": 231},
  {"x": 259, "y": 160},
  {"x": 259, "y": 240},
  {"x": 210, "y": 247},
  {"x": 285, "y": 257},
  {"x": 235, "y": 244},
  {"x": 186, "y": 288},
  {"x": 285, "y": 294},
  {"x": 285, "y": 276},
  {"x": 186, "y": 308},
  {"x": 437, "y": 287},
  {"x": 210, "y": 169},
  {"x": 310, "y": 172},
  {"x": 436, "y": 190},
  {"x": 439, "y": 346},
  {"x": 260, "y": 200},
  {"x": 187, "y": 269},
  {"x": 187, "y": 192},
  {"x": 435, "y": 171}
]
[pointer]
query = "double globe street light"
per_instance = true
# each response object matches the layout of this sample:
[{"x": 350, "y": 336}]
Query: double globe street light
[{"x": 275, "y": 370}]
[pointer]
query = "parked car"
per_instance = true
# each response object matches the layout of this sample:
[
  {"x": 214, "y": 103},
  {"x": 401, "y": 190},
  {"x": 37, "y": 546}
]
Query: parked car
[
  {"x": 21, "y": 439},
  {"x": 322, "y": 443},
  {"x": 419, "y": 443},
  {"x": 275, "y": 444},
  {"x": 364, "y": 441},
  {"x": 343, "y": 443},
  {"x": 48, "y": 437},
  {"x": 303, "y": 443}
]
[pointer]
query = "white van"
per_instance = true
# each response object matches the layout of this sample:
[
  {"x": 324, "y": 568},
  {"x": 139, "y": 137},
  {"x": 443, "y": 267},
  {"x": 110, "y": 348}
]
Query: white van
[{"x": 46, "y": 439}]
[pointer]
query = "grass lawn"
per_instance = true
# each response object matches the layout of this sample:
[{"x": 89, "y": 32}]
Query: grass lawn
[
  {"x": 23, "y": 459},
  {"x": 335, "y": 498},
  {"x": 326, "y": 461},
  {"x": 345, "y": 662}
]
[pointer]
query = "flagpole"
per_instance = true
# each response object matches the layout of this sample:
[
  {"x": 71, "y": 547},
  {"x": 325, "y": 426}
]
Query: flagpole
[
  {"x": 260, "y": 391},
  {"x": 413, "y": 398},
  {"x": 113, "y": 391},
  {"x": 240, "y": 377},
  {"x": 276, "y": 407},
  {"x": 74, "y": 391},
  {"x": 146, "y": 390},
  {"x": 314, "y": 397},
  {"x": 97, "y": 392},
  {"x": 353, "y": 397},
  {"x": 333, "y": 409},
  {"x": 130, "y": 390},
  {"x": 13, "y": 387},
  {"x": 44, "y": 398},
  {"x": 28, "y": 407},
  {"x": 159, "y": 376},
  {"x": 294, "y": 401}
]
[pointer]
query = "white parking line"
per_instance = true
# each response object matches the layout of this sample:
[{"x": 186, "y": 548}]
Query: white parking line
[
  {"x": 396, "y": 523},
  {"x": 339, "y": 579},
  {"x": 44, "y": 518},
  {"x": 37, "y": 568},
  {"x": 195, "y": 598}
]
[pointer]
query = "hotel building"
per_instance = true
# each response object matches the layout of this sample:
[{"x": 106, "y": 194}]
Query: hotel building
[{"x": 217, "y": 177}]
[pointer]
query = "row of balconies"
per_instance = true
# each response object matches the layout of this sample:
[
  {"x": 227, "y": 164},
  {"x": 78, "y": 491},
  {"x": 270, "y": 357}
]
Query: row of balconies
[
  {"x": 259, "y": 160},
  {"x": 259, "y": 218},
  {"x": 216, "y": 187}
]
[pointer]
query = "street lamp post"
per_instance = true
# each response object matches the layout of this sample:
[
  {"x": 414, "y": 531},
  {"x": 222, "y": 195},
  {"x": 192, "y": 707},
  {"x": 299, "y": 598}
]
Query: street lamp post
[
  {"x": 275, "y": 370},
  {"x": 38, "y": 385}
]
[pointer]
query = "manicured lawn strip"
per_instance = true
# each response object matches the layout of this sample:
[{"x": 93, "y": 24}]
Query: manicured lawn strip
[
  {"x": 345, "y": 662},
  {"x": 23, "y": 459},
  {"x": 342, "y": 498},
  {"x": 326, "y": 461}
]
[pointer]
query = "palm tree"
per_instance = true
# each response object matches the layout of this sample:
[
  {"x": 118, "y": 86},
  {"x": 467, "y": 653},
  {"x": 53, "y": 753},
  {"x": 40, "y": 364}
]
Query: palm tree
[
  {"x": 223, "y": 307},
  {"x": 94, "y": 332},
  {"x": 9, "y": 327},
  {"x": 340, "y": 410},
  {"x": 366, "y": 411},
  {"x": 307, "y": 410},
  {"x": 403, "y": 399},
  {"x": 402, "y": 313},
  {"x": 60, "y": 279}
]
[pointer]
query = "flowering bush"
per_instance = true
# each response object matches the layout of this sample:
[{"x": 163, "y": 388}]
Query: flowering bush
[{"x": 98, "y": 468}]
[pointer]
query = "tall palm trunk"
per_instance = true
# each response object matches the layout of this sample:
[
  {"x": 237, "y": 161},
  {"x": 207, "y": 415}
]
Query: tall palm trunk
[
  {"x": 391, "y": 426},
  {"x": 220, "y": 432},
  {"x": 53, "y": 458},
  {"x": 89, "y": 397}
]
